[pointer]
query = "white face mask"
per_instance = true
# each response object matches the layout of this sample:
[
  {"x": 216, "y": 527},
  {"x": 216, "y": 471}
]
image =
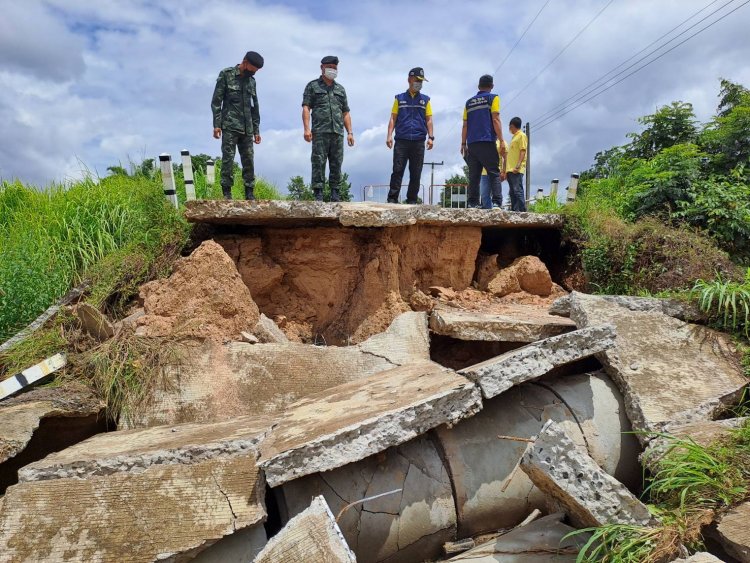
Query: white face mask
[
  {"x": 330, "y": 73},
  {"x": 416, "y": 86}
]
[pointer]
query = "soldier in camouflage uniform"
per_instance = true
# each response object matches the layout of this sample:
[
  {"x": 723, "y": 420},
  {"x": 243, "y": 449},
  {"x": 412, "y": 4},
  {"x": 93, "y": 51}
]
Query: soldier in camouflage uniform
[
  {"x": 325, "y": 99},
  {"x": 237, "y": 120}
]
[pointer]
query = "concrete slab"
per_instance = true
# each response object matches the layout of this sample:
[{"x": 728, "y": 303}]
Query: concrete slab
[
  {"x": 410, "y": 525},
  {"x": 357, "y": 419},
  {"x": 669, "y": 371},
  {"x": 240, "y": 547},
  {"x": 522, "y": 323},
  {"x": 310, "y": 213},
  {"x": 701, "y": 557},
  {"x": 312, "y": 535},
  {"x": 499, "y": 374},
  {"x": 734, "y": 532},
  {"x": 682, "y": 310},
  {"x": 137, "y": 496},
  {"x": 573, "y": 480}
]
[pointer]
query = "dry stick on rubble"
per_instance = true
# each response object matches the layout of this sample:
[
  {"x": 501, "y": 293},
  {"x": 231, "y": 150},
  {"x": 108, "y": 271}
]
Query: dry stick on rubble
[
  {"x": 517, "y": 467},
  {"x": 366, "y": 499}
]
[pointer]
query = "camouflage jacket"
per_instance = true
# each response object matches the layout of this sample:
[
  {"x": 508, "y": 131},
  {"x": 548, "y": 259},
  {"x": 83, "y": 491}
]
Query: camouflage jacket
[
  {"x": 328, "y": 104},
  {"x": 235, "y": 102}
]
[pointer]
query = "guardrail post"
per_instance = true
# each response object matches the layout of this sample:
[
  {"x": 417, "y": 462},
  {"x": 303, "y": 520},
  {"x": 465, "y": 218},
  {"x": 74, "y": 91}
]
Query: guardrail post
[
  {"x": 573, "y": 187},
  {"x": 554, "y": 184},
  {"x": 187, "y": 172},
  {"x": 167, "y": 177},
  {"x": 210, "y": 173}
]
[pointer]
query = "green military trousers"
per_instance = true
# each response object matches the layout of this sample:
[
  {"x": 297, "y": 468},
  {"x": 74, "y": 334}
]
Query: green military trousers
[
  {"x": 330, "y": 147},
  {"x": 230, "y": 142}
]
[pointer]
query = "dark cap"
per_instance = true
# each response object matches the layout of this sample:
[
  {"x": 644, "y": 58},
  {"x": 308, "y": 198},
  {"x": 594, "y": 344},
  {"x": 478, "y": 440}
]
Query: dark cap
[
  {"x": 418, "y": 71},
  {"x": 329, "y": 60},
  {"x": 486, "y": 80},
  {"x": 254, "y": 59}
]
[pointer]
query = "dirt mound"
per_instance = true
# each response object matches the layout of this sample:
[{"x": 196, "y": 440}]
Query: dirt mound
[
  {"x": 204, "y": 297},
  {"x": 526, "y": 273}
]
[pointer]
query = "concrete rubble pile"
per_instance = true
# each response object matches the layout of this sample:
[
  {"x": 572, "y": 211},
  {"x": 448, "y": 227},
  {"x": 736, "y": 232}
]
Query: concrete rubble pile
[{"x": 262, "y": 447}]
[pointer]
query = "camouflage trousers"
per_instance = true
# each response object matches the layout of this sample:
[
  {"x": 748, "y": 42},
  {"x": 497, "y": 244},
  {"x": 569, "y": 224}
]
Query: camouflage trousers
[
  {"x": 230, "y": 142},
  {"x": 330, "y": 147}
]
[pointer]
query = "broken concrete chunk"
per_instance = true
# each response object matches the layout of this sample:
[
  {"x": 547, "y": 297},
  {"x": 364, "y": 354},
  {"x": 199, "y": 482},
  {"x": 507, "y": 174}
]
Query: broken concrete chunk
[
  {"x": 239, "y": 547},
  {"x": 407, "y": 525},
  {"x": 669, "y": 371},
  {"x": 701, "y": 557},
  {"x": 734, "y": 532},
  {"x": 571, "y": 479},
  {"x": 268, "y": 331},
  {"x": 541, "y": 541},
  {"x": 103, "y": 499},
  {"x": 534, "y": 360},
  {"x": 249, "y": 338},
  {"x": 682, "y": 310},
  {"x": 521, "y": 323},
  {"x": 94, "y": 322},
  {"x": 357, "y": 419},
  {"x": 312, "y": 535}
]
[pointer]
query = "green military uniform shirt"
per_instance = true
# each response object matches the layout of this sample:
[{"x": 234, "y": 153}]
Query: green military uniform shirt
[
  {"x": 235, "y": 102},
  {"x": 328, "y": 104}
]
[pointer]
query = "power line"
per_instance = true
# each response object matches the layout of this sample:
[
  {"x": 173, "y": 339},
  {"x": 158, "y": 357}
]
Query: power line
[
  {"x": 548, "y": 122},
  {"x": 576, "y": 36},
  {"x": 522, "y": 36},
  {"x": 586, "y": 90}
]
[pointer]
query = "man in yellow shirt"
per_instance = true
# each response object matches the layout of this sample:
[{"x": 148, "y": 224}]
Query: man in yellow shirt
[
  {"x": 411, "y": 118},
  {"x": 516, "y": 165},
  {"x": 489, "y": 197}
]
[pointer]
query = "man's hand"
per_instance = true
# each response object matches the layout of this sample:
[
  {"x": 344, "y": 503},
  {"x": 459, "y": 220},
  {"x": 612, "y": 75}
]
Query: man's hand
[
  {"x": 217, "y": 132},
  {"x": 308, "y": 136},
  {"x": 389, "y": 143},
  {"x": 503, "y": 152},
  {"x": 429, "y": 144},
  {"x": 257, "y": 139},
  {"x": 503, "y": 176},
  {"x": 464, "y": 150},
  {"x": 350, "y": 139}
]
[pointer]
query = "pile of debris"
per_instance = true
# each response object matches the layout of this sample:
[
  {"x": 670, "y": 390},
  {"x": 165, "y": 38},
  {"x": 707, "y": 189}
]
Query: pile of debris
[{"x": 258, "y": 447}]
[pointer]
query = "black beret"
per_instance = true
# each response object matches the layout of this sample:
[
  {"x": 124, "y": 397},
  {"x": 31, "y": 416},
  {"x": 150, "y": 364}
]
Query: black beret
[
  {"x": 254, "y": 59},
  {"x": 329, "y": 60}
]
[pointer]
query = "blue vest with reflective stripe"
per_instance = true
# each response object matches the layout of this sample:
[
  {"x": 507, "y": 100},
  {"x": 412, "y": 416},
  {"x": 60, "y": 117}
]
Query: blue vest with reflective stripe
[
  {"x": 479, "y": 119},
  {"x": 411, "y": 121}
]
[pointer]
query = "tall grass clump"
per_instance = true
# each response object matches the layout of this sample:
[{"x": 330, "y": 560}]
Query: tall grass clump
[
  {"x": 51, "y": 239},
  {"x": 726, "y": 301},
  {"x": 203, "y": 190}
]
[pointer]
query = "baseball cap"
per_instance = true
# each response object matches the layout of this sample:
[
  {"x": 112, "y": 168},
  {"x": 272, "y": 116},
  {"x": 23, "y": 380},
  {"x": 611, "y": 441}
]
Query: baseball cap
[{"x": 418, "y": 71}]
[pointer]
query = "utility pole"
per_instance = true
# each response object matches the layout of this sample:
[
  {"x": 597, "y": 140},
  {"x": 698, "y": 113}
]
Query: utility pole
[
  {"x": 528, "y": 161},
  {"x": 432, "y": 178}
]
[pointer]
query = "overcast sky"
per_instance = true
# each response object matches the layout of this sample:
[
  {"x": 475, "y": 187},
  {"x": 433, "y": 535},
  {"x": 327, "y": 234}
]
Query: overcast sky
[{"x": 84, "y": 85}]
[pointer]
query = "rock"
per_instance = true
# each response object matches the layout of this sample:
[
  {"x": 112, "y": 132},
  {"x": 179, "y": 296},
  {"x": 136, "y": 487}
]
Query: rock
[
  {"x": 309, "y": 213},
  {"x": 487, "y": 269},
  {"x": 131, "y": 321},
  {"x": 573, "y": 480},
  {"x": 686, "y": 372},
  {"x": 534, "y": 360},
  {"x": 445, "y": 293},
  {"x": 682, "y": 310},
  {"x": 104, "y": 498},
  {"x": 203, "y": 298},
  {"x": 491, "y": 493},
  {"x": 268, "y": 331},
  {"x": 560, "y": 306},
  {"x": 701, "y": 557},
  {"x": 504, "y": 283},
  {"x": 419, "y": 301},
  {"x": 542, "y": 541},
  {"x": 523, "y": 323},
  {"x": 249, "y": 338},
  {"x": 216, "y": 382},
  {"x": 94, "y": 322},
  {"x": 526, "y": 273},
  {"x": 312, "y": 535},
  {"x": 409, "y": 525},
  {"x": 734, "y": 533},
  {"x": 357, "y": 419},
  {"x": 43, "y": 421}
]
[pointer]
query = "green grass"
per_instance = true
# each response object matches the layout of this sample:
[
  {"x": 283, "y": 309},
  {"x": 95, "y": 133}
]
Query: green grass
[
  {"x": 726, "y": 301},
  {"x": 546, "y": 204},
  {"x": 203, "y": 190}
]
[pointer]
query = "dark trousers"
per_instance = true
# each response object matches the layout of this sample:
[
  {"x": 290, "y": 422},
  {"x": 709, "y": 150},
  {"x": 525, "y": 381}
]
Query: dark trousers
[
  {"x": 517, "y": 193},
  {"x": 482, "y": 154},
  {"x": 403, "y": 152},
  {"x": 230, "y": 142}
]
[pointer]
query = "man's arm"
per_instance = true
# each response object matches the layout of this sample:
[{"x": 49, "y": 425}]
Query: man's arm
[
  {"x": 306, "y": 123},
  {"x": 429, "y": 132},
  {"x": 498, "y": 126},
  {"x": 391, "y": 127},
  {"x": 255, "y": 113},
  {"x": 348, "y": 127},
  {"x": 464, "y": 132},
  {"x": 504, "y": 159},
  {"x": 216, "y": 101},
  {"x": 521, "y": 156}
]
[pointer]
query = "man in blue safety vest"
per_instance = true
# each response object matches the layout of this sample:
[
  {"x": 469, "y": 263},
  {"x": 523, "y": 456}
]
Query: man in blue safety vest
[
  {"x": 481, "y": 130},
  {"x": 411, "y": 117}
]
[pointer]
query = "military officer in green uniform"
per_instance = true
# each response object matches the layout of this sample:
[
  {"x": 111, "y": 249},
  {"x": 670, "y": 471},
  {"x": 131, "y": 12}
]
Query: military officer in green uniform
[
  {"x": 325, "y": 99},
  {"x": 237, "y": 120}
]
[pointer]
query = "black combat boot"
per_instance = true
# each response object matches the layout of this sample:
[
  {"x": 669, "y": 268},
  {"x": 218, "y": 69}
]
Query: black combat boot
[
  {"x": 335, "y": 195},
  {"x": 318, "y": 195},
  {"x": 227, "y": 192},
  {"x": 249, "y": 194}
]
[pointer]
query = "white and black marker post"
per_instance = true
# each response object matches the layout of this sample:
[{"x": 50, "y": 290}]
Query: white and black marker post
[
  {"x": 539, "y": 194},
  {"x": 554, "y": 184},
  {"x": 573, "y": 187},
  {"x": 167, "y": 176},
  {"x": 29, "y": 376},
  {"x": 187, "y": 172},
  {"x": 210, "y": 173}
]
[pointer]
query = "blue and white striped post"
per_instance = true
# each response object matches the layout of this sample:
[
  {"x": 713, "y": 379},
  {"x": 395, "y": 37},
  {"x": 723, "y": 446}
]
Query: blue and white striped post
[
  {"x": 554, "y": 184},
  {"x": 210, "y": 173},
  {"x": 29, "y": 376},
  {"x": 167, "y": 177},
  {"x": 573, "y": 187},
  {"x": 187, "y": 172}
]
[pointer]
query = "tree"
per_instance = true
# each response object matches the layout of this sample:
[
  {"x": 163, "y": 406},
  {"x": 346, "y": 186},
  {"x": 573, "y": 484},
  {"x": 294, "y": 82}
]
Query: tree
[
  {"x": 670, "y": 125},
  {"x": 300, "y": 191},
  {"x": 117, "y": 171},
  {"x": 730, "y": 96},
  {"x": 445, "y": 195},
  {"x": 727, "y": 137},
  {"x": 605, "y": 165}
]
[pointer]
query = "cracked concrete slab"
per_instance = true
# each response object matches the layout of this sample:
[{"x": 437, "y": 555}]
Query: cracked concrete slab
[
  {"x": 312, "y": 535},
  {"x": 532, "y": 361},
  {"x": 347, "y": 423},
  {"x": 572, "y": 480},
  {"x": 542, "y": 541},
  {"x": 671, "y": 307},
  {"x": 410, "y": 525},
  {"x": 142, "y": 495},
  {"x": 701, "y": 557},
  {"x": 669, "y": 371},
  {"x": 522, "y": 323},
  {"x": 217, "y": 382},
  {"x": 733, "y": 532},
  {"x": 491, "y": 493}
]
